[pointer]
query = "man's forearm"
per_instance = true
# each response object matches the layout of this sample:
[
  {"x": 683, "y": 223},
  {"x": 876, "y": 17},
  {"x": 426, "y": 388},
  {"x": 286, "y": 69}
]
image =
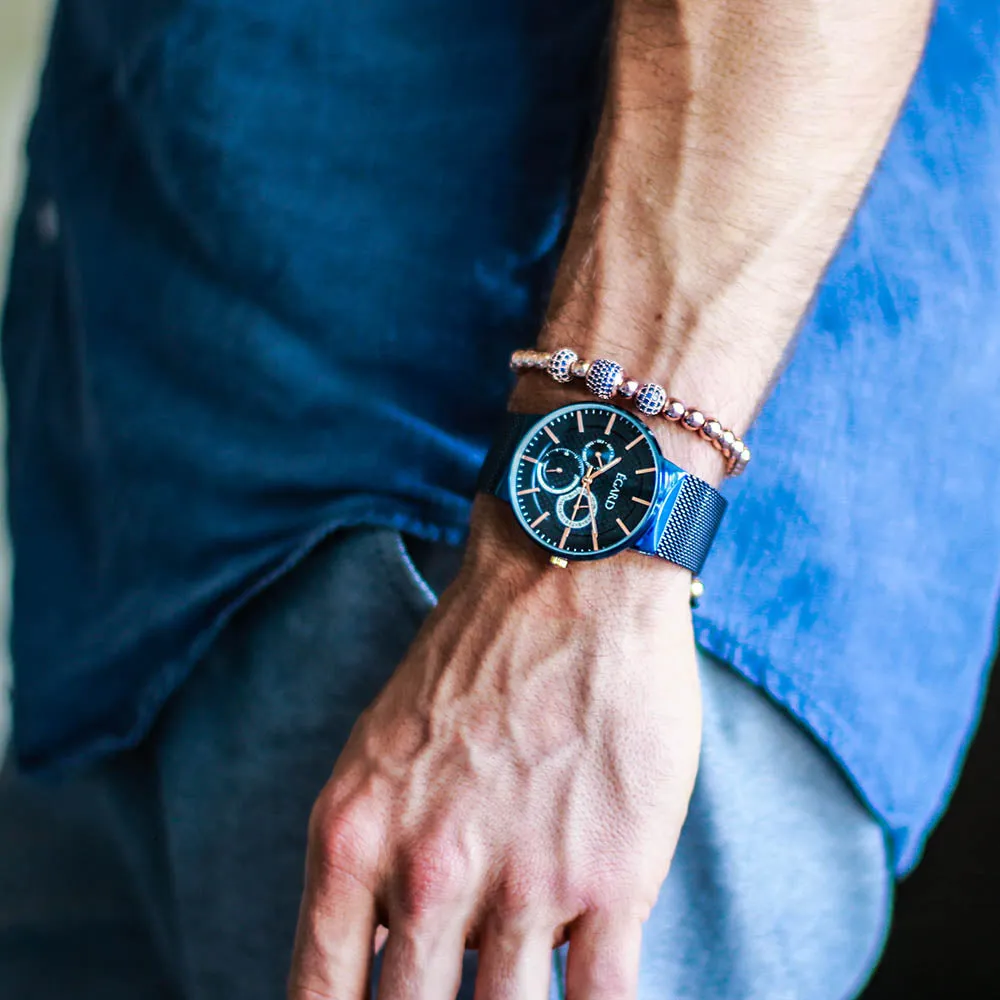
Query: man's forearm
[
  {"x": 736, "y": 141},
  {"x": 524, "y": 776}
]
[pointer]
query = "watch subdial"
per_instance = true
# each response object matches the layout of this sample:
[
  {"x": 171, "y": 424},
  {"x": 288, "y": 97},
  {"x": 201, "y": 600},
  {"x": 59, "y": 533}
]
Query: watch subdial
[
  {"x": 598, "y": 453},
  {"x": 574, "y": 511},
  {"x": 559, "y": 471}
]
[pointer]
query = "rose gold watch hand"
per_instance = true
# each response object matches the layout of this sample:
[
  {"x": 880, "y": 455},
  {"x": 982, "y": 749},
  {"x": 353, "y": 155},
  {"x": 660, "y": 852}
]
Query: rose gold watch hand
[
  {"x": 576, "y": 508},
  {"x": 590, "y": 500},
  {"x": 585, "y": 485},
  {"x": 604, "y": 468},
  {"x": 593, "y": 518}
]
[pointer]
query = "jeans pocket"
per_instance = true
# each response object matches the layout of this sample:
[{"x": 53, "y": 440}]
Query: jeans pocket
[
  {"x": 420, "y": 569},
  {"x": 402, "y": 574}
]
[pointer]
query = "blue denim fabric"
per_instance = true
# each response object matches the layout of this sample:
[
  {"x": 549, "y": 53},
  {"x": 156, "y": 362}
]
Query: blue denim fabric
[
  {"x": 174, "y": 870},
  {"x": 272, "y": 258}
]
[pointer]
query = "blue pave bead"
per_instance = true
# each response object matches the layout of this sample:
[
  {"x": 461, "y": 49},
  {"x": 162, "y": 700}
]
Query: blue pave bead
[
  {"x": 604, "y": 378},
  {"x": 650, "y": 399}
]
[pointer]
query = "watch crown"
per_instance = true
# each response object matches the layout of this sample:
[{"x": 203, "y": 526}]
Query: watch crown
[{"x": 559, "y": 561}]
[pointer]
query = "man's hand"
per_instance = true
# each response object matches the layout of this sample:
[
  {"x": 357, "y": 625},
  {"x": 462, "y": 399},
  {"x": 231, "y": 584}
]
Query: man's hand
[
  {"x": 523, "y": 778},
  {"x": 525, "y": 774}
]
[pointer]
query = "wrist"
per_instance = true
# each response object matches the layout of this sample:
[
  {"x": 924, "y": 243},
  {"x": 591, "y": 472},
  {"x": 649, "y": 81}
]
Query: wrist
[{"x": 500, "y": 549}]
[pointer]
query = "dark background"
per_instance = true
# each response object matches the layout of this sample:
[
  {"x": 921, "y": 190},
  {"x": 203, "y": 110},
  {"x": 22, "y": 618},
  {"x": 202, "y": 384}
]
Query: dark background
[{"x": 945, "y": 942}]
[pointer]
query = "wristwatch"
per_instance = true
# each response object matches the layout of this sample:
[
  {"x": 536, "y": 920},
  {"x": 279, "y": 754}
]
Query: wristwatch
[{"x": 588, "y": 480}]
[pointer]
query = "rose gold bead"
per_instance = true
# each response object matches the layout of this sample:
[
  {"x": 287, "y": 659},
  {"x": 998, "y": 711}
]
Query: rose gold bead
[
  {"x": 712, "y": 430},
  {"x": 580, "y": 368},
  {"x": 727, "y": 440},
  {"x": 737, "y": 449},
  {"x": 740, "y": 461},
  {"x": 674, "y": 409},
  {"x": 628, "y": 388},
  {"x": 694, "y": 419}
]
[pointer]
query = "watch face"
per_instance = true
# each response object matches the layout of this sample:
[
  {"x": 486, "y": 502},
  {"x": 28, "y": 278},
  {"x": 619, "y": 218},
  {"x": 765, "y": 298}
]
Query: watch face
[{"x": 584, "y": 479}]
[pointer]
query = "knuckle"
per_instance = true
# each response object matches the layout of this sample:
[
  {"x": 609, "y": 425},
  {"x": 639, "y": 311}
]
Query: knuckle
[
  {"x": 627, "y": 903},
  {"x": 643, "y": 902},
  {"x": 345, "y": 840},
  {"x": 434, "y": 874},
  {"x": 520, "y": 904},
  {"x": 620, "y": 881}
]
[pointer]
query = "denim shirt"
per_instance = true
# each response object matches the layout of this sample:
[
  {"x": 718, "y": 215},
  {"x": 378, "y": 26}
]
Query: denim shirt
[{"x": 272, "y": 258}]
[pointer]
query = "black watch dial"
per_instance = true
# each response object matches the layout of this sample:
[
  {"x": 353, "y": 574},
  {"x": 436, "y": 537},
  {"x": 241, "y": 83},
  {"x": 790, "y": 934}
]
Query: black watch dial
[{"x": 584, "y": 480}]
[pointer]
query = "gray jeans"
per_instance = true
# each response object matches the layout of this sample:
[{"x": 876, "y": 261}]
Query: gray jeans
[{"x": 174, "y": 870}]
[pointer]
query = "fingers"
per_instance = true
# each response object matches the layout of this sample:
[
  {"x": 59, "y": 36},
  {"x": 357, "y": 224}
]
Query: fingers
[
  {"x": 337, "y": 918},
  {"x": 603, "y": 962},
  {"x": 431, "y": 902},
  {"x": 333, "y": 945},
  {"x": 514, "y": 966},
  {"x": 423, "y": 963}
]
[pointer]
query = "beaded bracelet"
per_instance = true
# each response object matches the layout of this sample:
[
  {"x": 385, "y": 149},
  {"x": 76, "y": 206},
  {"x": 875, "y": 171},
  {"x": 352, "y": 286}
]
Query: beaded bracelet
[{"x": 605, "y": 379}]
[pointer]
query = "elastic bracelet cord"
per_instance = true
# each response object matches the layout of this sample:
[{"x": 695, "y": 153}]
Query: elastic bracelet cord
[{"x": 607, "y": 379}]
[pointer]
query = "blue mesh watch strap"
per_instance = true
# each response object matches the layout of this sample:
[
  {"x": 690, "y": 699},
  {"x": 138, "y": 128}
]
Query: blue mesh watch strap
[{"x": 693, "y": 522}]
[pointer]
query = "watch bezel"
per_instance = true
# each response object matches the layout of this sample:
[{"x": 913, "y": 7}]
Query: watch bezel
[{"x": 629, "y": 540}]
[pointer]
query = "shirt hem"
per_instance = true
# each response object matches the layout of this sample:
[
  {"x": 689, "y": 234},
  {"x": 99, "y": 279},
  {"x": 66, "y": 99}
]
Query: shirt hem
[{"x": 54, "y": 764}]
